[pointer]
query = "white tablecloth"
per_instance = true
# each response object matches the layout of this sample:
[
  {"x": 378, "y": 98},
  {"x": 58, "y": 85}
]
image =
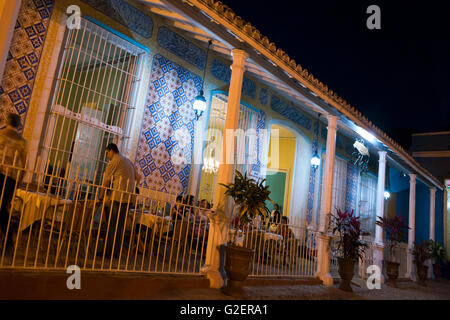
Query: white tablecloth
[
  {"x": 153, "y": 221},
  {"x": 35, "y": 204},
  {"x": 240, "y": 237}
]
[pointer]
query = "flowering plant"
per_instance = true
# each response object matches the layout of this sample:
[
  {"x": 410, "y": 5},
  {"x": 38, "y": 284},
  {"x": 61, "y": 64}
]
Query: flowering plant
[
  {"x": 348, "y": 227},
  {"x": 394, "y": 229},
  {"x": 421, "y": 252}
]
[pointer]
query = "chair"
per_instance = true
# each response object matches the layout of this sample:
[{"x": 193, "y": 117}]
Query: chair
[{"x": 72, "y": 225}]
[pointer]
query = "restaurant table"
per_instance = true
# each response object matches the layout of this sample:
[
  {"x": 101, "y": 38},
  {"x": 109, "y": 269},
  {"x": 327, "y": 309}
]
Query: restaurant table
[
  {"x": 151, "y": 220},
  {"x": 35, "y": 204},
  {"x": 267, "y": 236}
]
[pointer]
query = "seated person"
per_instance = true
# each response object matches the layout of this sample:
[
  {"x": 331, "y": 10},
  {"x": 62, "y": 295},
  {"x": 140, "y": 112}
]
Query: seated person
[{"x": 284, "y": 230}]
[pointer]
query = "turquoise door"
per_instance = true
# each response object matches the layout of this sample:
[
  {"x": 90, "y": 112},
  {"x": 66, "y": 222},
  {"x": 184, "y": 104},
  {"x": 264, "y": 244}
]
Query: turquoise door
[{"x": 276, "y": 181}]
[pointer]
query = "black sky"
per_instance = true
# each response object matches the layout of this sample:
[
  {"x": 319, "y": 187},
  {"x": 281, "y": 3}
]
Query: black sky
[{"x": 398, "y": 77}]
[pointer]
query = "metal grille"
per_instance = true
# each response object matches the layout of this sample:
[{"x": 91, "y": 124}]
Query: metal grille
[
  {"x": 92, "y": 104},
  {"x": 367, "y": 202},
  {"x": 339, "y": 185},
  {"x": 245, "y": 148}
]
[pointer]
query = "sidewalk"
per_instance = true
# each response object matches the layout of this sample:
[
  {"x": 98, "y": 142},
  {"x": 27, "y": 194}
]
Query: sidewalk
[{"x": 405, "y": 291}]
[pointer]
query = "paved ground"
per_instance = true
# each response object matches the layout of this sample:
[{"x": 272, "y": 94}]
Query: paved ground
[{"x": 405, "y": 291}]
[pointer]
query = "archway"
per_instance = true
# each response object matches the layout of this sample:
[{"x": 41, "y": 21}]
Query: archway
[{"x": 291, "y": 174}]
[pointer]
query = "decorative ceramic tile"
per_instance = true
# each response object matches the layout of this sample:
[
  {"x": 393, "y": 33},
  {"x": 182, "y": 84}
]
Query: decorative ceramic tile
[
  {"x": 181, "y": 47},
  {"x": 255, "y": 171},
  {"x": 23, "y": 57},
  {"x": 312, "y": 182},
  {"x": 125, "y": 14},
  {"x": 222, "y": 72},
  {"x": 288, "y": 111},
  {"x": 263, "y": 96},
  {"x": 351, "y": 195},
  {"x": 323, "y": 133},
  {"x": 165, "y": 144}
]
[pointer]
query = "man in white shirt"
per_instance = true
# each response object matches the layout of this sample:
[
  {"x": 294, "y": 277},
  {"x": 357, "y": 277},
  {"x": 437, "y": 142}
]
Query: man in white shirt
[{"x": 119, "y": 183}]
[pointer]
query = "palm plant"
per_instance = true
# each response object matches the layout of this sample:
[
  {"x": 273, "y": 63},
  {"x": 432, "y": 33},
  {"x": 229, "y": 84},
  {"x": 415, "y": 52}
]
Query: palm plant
[
  {"x": 437, "y": 252},
  {"x": 249, "y": 196},
  {"x": 421, "y": 252}
]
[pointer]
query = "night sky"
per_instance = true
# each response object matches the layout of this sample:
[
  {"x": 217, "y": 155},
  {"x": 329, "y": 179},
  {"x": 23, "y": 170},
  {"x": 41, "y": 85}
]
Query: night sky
[{"x": 398, "y": 77}]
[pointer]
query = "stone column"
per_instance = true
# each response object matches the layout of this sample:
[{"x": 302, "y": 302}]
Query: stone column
[
  {"x": 9, "y": 10},
  {"x": 218, "y": 233},
  {"x": 432, "y": 224},
  {"x": 412, "y": 222},
  {"x": 323, "y": 263},
  {"x": 379, "y": 243}
]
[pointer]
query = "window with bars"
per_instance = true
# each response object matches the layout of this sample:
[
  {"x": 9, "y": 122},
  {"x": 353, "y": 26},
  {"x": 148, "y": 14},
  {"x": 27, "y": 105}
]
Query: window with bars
[
  {"x": 92, "y": 104},
  {"x": 245, "y": 147},
  {"x": 339, "y": 185},
  {"x": 367, "y": 202}
]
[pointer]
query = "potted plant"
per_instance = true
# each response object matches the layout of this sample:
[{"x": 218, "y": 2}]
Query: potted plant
[
  {"x": 421, "y": 253},
  {"x": 438, "y": 257},
  {"x": 347, "y": 227},
  {"x": 394, "y": 232},
  {"x": 249, "y": 201}
]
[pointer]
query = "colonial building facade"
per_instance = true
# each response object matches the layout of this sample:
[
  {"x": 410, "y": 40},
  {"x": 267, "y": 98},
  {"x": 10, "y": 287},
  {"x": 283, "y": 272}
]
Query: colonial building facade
[{"x": 84, "y": 73}]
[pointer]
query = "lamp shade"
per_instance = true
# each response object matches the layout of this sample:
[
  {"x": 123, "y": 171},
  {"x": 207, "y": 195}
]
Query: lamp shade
[
  {"x": 315, "y": 160},
  {"x": 199, "y": 104}
]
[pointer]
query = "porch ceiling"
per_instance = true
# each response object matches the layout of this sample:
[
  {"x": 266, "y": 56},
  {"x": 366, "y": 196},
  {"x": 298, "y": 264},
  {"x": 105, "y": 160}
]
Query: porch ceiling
[{"x": 283, "y": 75}]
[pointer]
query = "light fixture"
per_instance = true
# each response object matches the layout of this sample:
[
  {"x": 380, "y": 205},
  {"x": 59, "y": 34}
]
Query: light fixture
[
  {"x": 365, "y": 134},
  {"x": 315, "y": 160},
  {"x": 387, "y": 194},
  {"x": 199, "y": 104}
]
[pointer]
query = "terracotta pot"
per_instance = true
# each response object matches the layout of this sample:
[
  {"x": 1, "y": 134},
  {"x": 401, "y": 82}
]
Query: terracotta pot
[
  {"x": 392, "y": 272},
  {"x": 237, "y": 267},
  {"x": 346, "y": 271},
  {"x": 436, "y": 271},
  {"x": 422, "y": 272}
]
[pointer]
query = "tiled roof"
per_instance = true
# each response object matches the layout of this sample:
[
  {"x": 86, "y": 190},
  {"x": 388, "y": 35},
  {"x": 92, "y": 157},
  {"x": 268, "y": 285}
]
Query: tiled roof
[{"x": 308, "y": 79}]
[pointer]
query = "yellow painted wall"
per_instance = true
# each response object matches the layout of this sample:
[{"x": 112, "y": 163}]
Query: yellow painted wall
[{"x": 286, "y": 161}]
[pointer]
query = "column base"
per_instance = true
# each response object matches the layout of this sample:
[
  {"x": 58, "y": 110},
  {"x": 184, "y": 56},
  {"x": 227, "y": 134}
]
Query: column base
[
  {"x": 327, "y": 279},
  {"x": 215, "y": 278}
]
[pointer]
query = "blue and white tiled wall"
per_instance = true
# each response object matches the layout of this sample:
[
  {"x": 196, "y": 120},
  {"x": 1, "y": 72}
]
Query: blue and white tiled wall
[{"x": 23, "y": 57}]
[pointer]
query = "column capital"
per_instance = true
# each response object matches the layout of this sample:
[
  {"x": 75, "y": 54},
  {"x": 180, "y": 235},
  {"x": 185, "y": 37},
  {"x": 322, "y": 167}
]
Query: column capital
[
  {"x": 382, "y": 155},
  {"x": 239, "y": 57},
  {"x": 332, "y": 121},
  {"x": 412, "y": 177},
  {"x": 433, "y": 190}
]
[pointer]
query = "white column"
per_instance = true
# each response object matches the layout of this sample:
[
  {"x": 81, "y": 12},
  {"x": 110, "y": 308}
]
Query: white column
[
  {"x": 218, "y": 232},
  {"x": 196, "y": 166},
  {"x": 323, "y": 263},
  {"x": 432, "y": 223},
  {"x": 9, "y": 10},
  {"x": 412, "y": 223},
  {"x": 432, "y": 212},
  {"x": 380, "y": 209}
]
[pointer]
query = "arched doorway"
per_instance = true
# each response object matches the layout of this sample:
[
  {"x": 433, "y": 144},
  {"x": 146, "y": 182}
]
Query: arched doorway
[{"x": 287, "y": 174}]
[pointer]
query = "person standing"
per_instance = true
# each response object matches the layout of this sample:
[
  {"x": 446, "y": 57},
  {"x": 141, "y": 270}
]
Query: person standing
[
  {"x": 13, "y": 156},
  {"x": 120, "y": 179}
]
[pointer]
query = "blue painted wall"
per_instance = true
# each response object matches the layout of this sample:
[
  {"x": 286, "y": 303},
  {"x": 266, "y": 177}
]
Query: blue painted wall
[
  {"x": 403, "y": 209},
  {"x": 422, "y": 227},
  {"x": 439, "y": 217}
]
